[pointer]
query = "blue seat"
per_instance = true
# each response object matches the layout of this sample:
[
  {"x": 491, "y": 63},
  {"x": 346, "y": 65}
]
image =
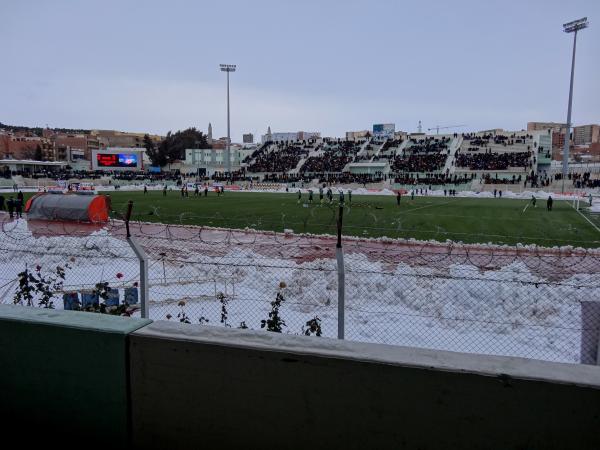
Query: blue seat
[
  {"x": 71, "y": 301},
  {"x": 89, "y": 299},
  {"x": 113, "y": 297},
  {"x": 131, "y": 296}
]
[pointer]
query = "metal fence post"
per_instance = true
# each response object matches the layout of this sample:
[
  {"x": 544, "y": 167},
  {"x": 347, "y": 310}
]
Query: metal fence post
[
  {"x": 339, "y": 253},
  {"x": 143, "y": 258},
  {"x": 144, "y": 288}
]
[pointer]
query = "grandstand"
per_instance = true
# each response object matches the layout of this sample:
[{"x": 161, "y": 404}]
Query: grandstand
[
  {"x": 469, "y": 161},
  {"x": 497, "y": 158}
]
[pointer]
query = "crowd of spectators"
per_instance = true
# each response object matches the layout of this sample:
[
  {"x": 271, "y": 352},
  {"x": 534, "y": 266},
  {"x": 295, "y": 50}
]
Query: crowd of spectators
[
  {"x": 426, "y": 163},
  {"x": 580, "y": 180},
  {"x": 429, "y": 144},
  {"x": 489, "y": 179},
  {"x": 483, "y": 140},
  {"x": 494, "y": 161},
  {"x": 390, "y": 143},
  {"x": 347, "y": 178},
  {"x": 327, "y": 162},
  {"x": 67, "y": 174},
  {"x": 434, "y": 179},
  {"x": 283, "y": 158}
]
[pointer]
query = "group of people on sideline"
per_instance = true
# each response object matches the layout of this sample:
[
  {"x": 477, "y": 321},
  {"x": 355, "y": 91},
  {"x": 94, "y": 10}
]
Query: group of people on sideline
[{"x": 14, "y": 206}]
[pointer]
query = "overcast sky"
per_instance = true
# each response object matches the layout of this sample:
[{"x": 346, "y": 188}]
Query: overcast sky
[{"x": 329, "y": 66}]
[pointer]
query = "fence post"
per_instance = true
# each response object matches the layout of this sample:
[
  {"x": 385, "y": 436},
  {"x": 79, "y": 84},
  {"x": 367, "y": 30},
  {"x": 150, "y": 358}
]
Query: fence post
[
  {"x": 143, "y": 258},
  {"x": 339, "y": 253},
  {"x": 590, "y": 333}
]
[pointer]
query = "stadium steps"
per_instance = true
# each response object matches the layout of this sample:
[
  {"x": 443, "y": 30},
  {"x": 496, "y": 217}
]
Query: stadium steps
[
  {"x": 296, "y": 169},
  {"x": 363, "y": 147},
  {"x": 454, "y": 146},
  {"x": 402, "y": 147}
]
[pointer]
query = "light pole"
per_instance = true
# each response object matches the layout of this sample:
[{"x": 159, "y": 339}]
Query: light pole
[
  {"x": 228, "y": 68},
  {"x": 571, "y": 27}
]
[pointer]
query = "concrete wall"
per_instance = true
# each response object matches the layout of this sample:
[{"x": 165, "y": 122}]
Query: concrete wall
[
  {"x": 64, "y": 376},
  {"x": 103, "y": 381},
  {"x": 196, "y": 386}
]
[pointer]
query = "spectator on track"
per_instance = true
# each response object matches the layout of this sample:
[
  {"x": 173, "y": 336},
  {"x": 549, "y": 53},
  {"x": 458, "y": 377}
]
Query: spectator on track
[
  {"x": 11, "y": 207},
  {"x": 19, "y": 207}
]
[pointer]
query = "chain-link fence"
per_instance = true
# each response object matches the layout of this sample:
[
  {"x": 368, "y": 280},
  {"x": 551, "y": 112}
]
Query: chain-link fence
[{"x": 518, "y": 301}]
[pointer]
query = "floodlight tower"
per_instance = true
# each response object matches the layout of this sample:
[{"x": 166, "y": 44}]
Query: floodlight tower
[
  {"x": 571, "y": 27},
  {"x": 228, "y": 68}
]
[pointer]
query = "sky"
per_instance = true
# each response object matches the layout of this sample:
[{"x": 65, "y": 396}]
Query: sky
[{"x": 328, "y": 66}]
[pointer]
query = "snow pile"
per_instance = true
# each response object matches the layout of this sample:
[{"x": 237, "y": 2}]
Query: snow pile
[{"x": 508, "y": 310}]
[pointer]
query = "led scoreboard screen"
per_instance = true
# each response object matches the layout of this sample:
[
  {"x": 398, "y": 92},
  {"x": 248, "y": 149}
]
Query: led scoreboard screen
[{"x": 117, "y": 160}]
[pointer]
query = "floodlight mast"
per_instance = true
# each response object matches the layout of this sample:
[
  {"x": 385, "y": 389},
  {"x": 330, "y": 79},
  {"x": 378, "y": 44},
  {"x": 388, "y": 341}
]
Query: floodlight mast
[
  {"x": 228, "y": 68},
  {"x": 570, "y": 27}
]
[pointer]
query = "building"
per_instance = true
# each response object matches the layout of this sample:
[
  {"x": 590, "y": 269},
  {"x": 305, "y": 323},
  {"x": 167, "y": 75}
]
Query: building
[
  {"x": 248, "y": 138},
  {"x": 121, "y": 139},
  {"x": 356, "y": 135},
  {"x": 63, "y": 143},
  {"x": 115, "y": 158},
  {"x": 207, "y": 161},
  {"x": 384, "y": 130},
  {"x": 22, "y": 145},
  {"x": 541, "y": 126},
  {"x": 290, "y": 136},
  {"x": 586, "y": 134}
]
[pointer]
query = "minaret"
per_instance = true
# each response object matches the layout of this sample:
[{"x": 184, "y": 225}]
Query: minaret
[
  {"x": 209, "y": 136},
  {"x": 269, "y": 133}
]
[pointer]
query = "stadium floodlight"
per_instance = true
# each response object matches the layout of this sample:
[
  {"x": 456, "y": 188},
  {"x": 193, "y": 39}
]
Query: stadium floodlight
[
  {"x": 570, "y": 27},
  {"x": 575, "y": 25},
  {"x": 228, "y": 68}
]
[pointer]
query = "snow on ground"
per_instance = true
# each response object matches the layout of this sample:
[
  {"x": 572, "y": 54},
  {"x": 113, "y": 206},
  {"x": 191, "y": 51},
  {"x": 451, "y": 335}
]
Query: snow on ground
[
  {"x": 524, "y": 195},
  {"x": 506, "y": 310}
]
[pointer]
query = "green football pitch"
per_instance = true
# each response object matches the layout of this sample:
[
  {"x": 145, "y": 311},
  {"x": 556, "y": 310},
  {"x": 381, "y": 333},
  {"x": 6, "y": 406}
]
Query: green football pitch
[{"x": 469, "y": 220}]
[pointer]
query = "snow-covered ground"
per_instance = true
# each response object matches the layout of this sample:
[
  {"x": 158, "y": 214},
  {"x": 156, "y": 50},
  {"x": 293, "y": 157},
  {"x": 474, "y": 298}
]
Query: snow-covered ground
[
  {"x": 524, "y": 195},
  {"x": 491, "y": 300}
]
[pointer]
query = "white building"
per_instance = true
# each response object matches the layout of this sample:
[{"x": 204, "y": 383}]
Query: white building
[
  {"x": 290, "y": 136},
  {"x": 211, "y": 160}
]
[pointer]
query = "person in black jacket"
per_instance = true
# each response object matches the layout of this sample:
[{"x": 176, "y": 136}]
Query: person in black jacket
[
  {"x": 11, "y": 206},
  {"x": 19, "y": 207}
]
